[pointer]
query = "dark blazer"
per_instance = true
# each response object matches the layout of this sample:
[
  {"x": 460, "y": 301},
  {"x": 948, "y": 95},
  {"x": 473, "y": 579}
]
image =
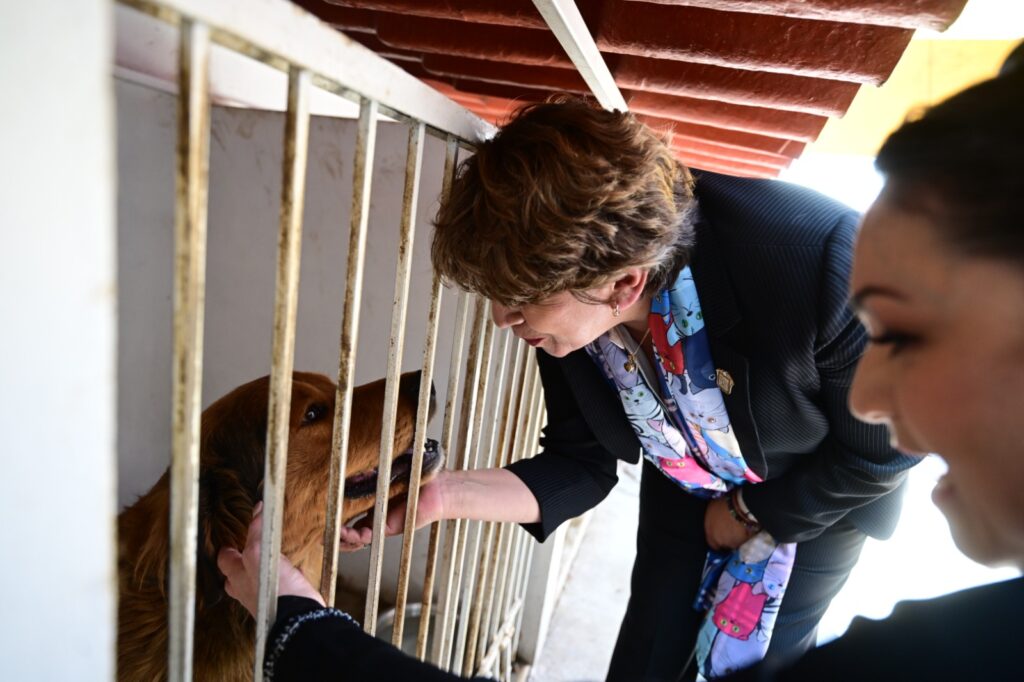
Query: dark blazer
[
  {"x": 771, "y": 265},
  {"x": 967, "y": 635}
]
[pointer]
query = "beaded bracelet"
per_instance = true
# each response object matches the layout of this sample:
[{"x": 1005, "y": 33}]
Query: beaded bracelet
[{"x": 739, "y": 516}]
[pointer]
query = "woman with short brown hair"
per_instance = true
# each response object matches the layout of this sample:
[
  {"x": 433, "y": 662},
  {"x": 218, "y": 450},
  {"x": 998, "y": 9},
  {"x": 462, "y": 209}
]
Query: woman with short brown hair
[{"x": 703, "y": 322}]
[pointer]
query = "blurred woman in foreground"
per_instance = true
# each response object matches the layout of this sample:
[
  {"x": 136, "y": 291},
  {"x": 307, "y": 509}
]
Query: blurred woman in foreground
[{"x": 938, "y": 280}]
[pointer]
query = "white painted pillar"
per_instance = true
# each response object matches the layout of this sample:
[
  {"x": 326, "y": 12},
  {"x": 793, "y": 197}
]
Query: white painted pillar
[{"x": 57, "y": 349}]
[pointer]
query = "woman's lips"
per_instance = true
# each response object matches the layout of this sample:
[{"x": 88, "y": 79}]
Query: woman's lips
[{"x": 534, "y": 342}]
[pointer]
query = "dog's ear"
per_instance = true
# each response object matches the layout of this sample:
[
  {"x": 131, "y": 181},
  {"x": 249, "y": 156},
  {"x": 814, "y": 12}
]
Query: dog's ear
[
  {"x": 231, "y": 479},
  {"x": 148, "y": 530}
]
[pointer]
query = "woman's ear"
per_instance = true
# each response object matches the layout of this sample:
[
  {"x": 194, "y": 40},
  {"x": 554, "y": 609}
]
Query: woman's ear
[{"x": 629, "y": 287}]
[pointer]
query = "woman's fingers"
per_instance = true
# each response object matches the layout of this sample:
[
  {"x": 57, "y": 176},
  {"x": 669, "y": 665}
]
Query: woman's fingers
[{"x": 352, "y": 539}]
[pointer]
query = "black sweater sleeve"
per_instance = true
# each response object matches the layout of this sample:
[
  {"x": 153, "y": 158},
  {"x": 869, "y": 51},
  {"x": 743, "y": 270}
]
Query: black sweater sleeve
[
  {"x": 573, "y": 472},
  {"x": 309, "y": 642}
]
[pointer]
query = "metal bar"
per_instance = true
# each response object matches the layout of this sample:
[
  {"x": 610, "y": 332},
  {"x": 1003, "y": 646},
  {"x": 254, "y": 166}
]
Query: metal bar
[
  {"x": 450, "y": 165},
  {"x": 500, "y": 548},
  {"x": 420, "y": 436},
  {"x": 521, "y": 542},
  {"x": 366, "y": 142},
  {"x": 279, "y": 34},
  {"x": 446, "y": 441},
  {"x": 413, "y": 164},
  {"x": 502, "y": 639},
  {"x": 518, "y": 536},
  {"x": 492, "y": 459},
  {"x": 286, "y": 299},
  {"x": 454, "y": 528},
  {"x": 191, "y": 189},
  {"x": 566, "y": 22},
  {"x": 522, "y": 580},
  {"x": 467, "y": 589}
]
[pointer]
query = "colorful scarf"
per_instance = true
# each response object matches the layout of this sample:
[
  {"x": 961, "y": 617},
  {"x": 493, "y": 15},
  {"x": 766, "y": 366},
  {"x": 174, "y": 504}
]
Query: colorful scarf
[{"x": 684, "y": 429}]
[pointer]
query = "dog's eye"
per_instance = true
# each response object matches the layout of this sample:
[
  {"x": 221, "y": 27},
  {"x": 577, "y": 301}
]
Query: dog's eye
[{"x": 313, "y": 413}]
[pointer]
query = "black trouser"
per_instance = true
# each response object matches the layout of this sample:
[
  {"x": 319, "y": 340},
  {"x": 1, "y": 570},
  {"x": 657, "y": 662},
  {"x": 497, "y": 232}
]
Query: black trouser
[{"x": 659, "y": 631}]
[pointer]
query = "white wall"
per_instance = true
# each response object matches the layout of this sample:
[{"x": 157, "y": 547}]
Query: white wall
[
  {"x": 57, "y": 388},
  {"x": 245, "y": 172}
]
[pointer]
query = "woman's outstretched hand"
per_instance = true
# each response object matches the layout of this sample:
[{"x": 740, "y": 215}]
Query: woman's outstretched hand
[
  {"x": 430, "y": 508},
  {"x": 242, "y": 570}
]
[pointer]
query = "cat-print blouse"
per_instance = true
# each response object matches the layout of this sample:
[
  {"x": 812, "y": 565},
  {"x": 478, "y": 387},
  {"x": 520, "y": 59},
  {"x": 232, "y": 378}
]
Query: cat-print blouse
[{"x": 675, "y": 406}]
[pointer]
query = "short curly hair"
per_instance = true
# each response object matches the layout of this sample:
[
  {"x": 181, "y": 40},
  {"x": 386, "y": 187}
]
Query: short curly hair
[{"x": 564, "y": 198}]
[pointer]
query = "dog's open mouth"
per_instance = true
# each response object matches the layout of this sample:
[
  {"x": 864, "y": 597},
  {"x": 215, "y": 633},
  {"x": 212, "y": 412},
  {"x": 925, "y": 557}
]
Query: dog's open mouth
[{"x": 364, "y": 484}]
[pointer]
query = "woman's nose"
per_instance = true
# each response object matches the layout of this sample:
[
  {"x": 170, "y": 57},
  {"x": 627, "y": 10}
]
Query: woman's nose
[
  {"x": 869, "y": 398},
  {"x": 505, "y": 316}
]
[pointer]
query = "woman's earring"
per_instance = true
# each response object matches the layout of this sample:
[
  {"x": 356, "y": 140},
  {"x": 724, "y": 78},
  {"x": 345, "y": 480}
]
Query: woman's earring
[{"x": 615, "y": 310}]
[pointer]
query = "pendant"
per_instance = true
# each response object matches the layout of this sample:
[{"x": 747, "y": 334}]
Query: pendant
[{"x": 630, "y": 364}]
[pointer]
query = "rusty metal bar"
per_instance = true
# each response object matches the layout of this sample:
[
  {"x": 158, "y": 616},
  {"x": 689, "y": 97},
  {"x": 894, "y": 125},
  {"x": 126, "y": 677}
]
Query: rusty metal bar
[
  {"x": 420, "y": 436},
  {"x": 494, "y": 456},
  {"x": 502, "y": 639},
  {"x": 454, "y": 527},
  {"x": 500, "y": 547},
  {"x": 522, "y": 580},
  {"x": 463, "y": 592},
  {"x": 517, "y": 537},
  {"x": 286, "y": 298},
  {"x": 366, "y": 142},
  {"x": 191, "y": 190},
  {"x": 472, "y": 551},
  {"x": 450, "y": 165},
  {"x": 413, "y": 164},
  {"x": 446, "y": 442}
]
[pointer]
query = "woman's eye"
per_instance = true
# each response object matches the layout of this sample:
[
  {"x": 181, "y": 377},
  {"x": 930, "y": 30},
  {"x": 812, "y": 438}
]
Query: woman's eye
[{"x": 897, "y": 342}]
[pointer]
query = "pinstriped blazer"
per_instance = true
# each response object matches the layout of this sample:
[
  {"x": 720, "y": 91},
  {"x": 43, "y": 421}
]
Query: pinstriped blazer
[{"x": 771, "y": 265}]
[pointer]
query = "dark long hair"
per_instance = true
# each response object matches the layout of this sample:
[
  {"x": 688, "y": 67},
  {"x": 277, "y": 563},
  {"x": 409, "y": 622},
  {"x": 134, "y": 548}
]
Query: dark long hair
[{"x": 962, "y": 163}]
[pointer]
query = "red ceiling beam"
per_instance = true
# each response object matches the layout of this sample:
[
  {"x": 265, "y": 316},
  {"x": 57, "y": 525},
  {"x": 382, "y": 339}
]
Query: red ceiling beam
[
  {"x": 726, "y": 137},
  {"x": 480, "y": 41},
  {"x": 819, "y": 96},
  {"x": 934, "y": 14},
  {"x": 778, "y": 91},
  {"x": 745, "y": 41},
  {"x": 505, "y": 73},
  {"x": 371, "y": 41},
  {"x": 714, "y": 164},
  {"x": 762, "y": 42},
  {"x": 770, "y": 161},
  {"x": 760, "y": 120},
  {"x": 521, "y": 13}
]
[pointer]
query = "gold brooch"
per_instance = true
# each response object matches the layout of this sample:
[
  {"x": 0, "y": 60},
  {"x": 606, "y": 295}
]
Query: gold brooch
[{"x": 724, "y": 381}]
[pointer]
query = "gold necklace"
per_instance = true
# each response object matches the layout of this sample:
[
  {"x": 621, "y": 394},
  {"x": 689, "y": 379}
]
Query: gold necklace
[{"x": 630, "y": 364}]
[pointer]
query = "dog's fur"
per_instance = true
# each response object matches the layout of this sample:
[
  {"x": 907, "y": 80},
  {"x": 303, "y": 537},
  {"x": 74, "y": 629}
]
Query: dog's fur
[{"x": 232, "y": 451}]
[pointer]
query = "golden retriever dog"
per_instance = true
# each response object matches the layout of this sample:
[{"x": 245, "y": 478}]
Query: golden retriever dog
[{"x": 232, "y": 451}]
